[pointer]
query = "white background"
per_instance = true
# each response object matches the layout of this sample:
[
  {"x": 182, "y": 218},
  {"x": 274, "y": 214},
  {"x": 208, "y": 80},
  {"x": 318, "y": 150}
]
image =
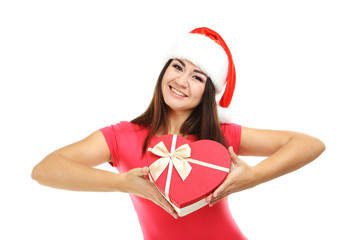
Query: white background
[{"x": 68, "y": 68}]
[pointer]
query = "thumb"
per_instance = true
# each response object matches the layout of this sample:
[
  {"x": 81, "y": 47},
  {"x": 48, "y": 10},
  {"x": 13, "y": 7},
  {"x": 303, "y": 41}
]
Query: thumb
[
  {"x": 146, "y": 170},
  {"x": 142, "y": 171},
  {"x": 232, "y": 153},
  {"x": 234, "y": 158}
]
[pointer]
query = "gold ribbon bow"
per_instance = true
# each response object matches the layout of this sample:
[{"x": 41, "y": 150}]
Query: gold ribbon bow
[{"x": 177, "y": 157}]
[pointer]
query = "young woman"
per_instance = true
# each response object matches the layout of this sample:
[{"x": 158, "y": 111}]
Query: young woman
[{"x": 198, "y": 67}]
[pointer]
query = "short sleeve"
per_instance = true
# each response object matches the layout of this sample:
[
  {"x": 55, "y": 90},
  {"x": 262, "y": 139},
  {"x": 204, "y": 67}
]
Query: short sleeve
[
  {"x": 232, "y": 134},
  {"x": 110, "y": 133}
]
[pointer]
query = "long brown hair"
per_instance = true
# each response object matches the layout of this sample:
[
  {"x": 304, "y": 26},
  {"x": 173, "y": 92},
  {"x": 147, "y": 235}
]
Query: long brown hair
[{"x": 203, "y": 122}]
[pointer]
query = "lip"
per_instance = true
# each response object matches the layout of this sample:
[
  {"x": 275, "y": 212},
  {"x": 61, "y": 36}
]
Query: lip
[{"x": 173, "y": 93}]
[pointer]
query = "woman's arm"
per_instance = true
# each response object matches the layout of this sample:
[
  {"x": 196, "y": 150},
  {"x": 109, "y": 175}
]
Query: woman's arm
[
  {"x": 71, "y": 168},
  {"x": 286, "y": 151}
]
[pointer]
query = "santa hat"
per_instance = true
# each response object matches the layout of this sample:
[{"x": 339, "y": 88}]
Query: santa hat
[{"x": 206, "y": 49}]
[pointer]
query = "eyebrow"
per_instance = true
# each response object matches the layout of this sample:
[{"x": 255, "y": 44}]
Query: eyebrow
[{"x": 197, "y": 71}]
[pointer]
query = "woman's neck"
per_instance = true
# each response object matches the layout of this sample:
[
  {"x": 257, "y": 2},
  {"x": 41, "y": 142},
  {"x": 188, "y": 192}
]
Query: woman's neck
[{"x": 175, "y": 121}]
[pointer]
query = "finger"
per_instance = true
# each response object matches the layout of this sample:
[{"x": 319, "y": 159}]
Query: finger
[
  {"x": 220, "y": 196},
  {"x": 234, "y": 157},
  {"x": 222, "y": 188},
  {"x": 160, "y": 200},
  {"x": 167, "y": 206},
  {"x": 208, "y": 198},
  {"x": 146, "y": 170},
  {"x": 222, "y": 191},
  {"x": 215, "y": 201},
  {"x": 137, "y": 172},
  {"x": 231, "y": 149},
  {"x": 141, "y": 172}
]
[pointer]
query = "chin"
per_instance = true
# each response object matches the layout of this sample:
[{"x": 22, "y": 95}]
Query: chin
[{"x": 177, "y": 107}]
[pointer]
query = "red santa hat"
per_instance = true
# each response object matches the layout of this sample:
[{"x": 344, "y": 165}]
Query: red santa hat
[{"x": 206, "y": 49}]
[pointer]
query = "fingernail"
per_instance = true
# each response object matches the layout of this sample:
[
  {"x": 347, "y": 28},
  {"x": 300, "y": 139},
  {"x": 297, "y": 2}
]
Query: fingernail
[{"x": 173, "y": 214}]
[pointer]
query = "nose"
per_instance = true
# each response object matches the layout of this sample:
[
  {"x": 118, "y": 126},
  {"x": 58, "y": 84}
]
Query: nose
[{"x": 183, "y": 80}]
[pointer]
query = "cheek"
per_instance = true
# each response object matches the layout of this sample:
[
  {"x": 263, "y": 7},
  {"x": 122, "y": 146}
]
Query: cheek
[
  {"x": 200, "y": 91},
  {"x": 163, "y": 85},
  {"x": 165, "y": 79},
  {"x": 163, "y": 82}
]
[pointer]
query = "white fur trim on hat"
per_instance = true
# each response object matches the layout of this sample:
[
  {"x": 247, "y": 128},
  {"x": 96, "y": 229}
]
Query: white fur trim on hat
[
  {"x": 205, "y": 53},
  {"x": 224, "y": 114}
]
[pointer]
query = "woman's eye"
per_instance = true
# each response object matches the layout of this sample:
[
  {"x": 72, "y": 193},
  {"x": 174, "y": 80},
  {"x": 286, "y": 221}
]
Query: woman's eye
[
  {"x": 199, "y": 78},
  {"x": 177, "y": 67}
]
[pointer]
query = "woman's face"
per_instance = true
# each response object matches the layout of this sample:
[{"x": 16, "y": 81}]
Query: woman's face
[{"x": 183, "y": 85}]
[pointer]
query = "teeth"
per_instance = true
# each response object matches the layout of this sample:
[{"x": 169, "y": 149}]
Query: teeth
[{"x": 177, "y": 92}]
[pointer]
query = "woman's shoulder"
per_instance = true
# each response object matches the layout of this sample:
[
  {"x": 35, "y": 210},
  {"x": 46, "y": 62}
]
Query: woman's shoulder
[
  {"x": 232, "y": 134},
  {"x": 127, "y": 127},
  {"x": 225, "y": 127}
]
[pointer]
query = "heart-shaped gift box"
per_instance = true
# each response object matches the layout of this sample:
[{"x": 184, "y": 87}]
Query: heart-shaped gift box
[{"x": 187, "y": 172}]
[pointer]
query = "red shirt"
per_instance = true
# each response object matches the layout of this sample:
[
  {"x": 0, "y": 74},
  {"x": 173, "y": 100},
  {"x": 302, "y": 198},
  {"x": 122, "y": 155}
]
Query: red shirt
[{"x": 125, "y": 141}]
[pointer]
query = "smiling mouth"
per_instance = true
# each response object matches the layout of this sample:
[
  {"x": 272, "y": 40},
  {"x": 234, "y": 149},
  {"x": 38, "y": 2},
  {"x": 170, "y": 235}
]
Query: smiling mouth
[{"x": 177, "y": 92}]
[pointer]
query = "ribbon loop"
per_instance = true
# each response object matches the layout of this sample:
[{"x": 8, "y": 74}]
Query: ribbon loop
[{"x": 178, "y": 158}]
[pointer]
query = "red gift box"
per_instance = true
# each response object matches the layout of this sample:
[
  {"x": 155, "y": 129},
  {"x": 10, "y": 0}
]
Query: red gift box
[{"x": 187, "y": 172}]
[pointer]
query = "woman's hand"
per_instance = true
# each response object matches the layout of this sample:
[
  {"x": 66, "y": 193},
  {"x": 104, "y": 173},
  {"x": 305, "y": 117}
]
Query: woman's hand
[
  {"x": 240, "y": 177},
  {"x": 285, "y": 151},
  {"x": 136, "y": 183}
]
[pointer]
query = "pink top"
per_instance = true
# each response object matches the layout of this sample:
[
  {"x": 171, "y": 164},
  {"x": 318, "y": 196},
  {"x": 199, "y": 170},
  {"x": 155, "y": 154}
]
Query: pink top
[{"x": 125, "y": 141}]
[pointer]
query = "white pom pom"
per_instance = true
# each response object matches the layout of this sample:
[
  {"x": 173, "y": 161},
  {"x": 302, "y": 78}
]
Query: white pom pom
[{"x": 224, "y": 114}]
